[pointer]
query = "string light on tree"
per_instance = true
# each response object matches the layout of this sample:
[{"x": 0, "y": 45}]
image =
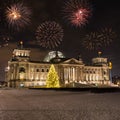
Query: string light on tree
[{"x": 52, "y": 78}]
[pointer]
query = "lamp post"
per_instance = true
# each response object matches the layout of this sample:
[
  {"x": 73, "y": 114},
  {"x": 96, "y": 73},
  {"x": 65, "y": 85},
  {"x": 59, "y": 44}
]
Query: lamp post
[
  {"x": 99, "y": 53},
  {"x": 110, "y": 69}
]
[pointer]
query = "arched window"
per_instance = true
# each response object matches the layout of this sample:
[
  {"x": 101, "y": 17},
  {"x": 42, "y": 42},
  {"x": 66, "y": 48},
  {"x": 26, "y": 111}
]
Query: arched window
[
  {"x": 42, "y": 70},
  {"x": 22, "y": 69},
  {"x": 37, "y": 70},
  {"x": 47, "y": 70}
]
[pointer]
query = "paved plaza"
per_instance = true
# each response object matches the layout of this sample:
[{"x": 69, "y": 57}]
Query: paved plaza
[{"x": 25, "y": 104}]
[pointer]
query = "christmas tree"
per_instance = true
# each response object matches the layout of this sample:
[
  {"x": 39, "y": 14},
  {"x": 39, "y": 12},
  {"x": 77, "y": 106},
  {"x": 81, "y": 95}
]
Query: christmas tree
[{"x": 52, "y": 78}]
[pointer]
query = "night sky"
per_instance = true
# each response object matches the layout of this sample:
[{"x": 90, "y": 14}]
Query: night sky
[{"x": 105, "y": 13}]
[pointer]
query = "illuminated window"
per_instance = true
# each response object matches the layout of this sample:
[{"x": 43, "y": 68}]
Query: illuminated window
[
  {"x": 22, "y": 76},
  {"x": 22, "y": 54}
]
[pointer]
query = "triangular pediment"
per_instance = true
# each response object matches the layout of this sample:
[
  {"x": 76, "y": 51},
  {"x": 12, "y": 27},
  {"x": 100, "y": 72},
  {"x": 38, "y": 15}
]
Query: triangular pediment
[{"x": 72, "y": 61}]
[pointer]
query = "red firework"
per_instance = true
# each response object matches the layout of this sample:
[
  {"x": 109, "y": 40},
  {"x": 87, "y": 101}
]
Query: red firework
[{"x": 77, "y": 12}]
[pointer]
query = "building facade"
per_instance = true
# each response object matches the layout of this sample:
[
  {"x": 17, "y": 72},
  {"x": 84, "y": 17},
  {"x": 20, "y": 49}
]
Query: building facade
[{"x": 22, "y": 72}]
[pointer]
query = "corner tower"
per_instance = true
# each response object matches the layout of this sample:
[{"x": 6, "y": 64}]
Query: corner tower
[
  {"x": 100, "y": 61},
  {"x": 104, "y": 68},
  {"x": 21, "y": 54},
  {"x": 18, "y": 71}
]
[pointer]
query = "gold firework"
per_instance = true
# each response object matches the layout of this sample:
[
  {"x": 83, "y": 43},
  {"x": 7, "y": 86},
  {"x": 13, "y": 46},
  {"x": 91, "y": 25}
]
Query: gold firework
[{"x": 18, "y": 15}]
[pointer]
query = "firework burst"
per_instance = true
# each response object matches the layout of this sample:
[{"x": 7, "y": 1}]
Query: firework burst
[
  {"x": 4, "y": 38},
  {"x": 77, "y": 12},
  {"x": 100, "y": 39},
  {"x": 18, "y": 15},
  {"x": 107, "y": 35},
  {"x": 4, "y": 41},
  {"x": 49, "y": 34},
  {"x": 92, "y": 41}
]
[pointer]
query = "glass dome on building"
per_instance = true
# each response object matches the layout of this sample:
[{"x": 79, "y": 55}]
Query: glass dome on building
[{"x": 52, "y": 54}]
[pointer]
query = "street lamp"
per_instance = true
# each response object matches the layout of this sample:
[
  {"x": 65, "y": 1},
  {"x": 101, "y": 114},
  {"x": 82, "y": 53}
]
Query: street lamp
[{"x": 110, "y": 68}]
